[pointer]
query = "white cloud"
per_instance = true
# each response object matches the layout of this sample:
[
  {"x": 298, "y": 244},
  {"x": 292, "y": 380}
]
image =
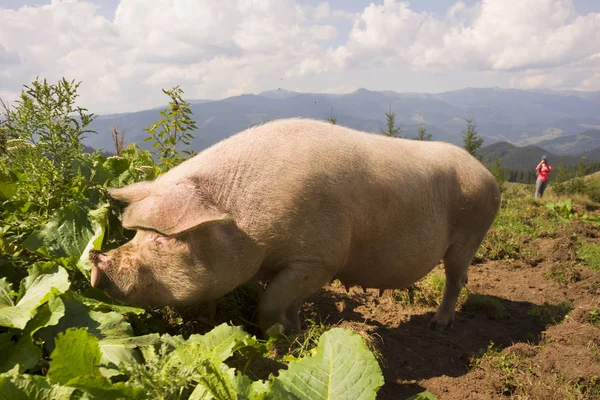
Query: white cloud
[
  {"x": 456, "y": 9},
  {"x": 492, "y": 35},
  {"x": 322, "y": 11},
  {"x": 535, "y": 80},
  {"x": 218, "y": 48},
  {"x": 323, "y": 32},
  {"x": 343, "y": 14},
  {"x": 211, "y": 48},
  {"x": 385, "y": 27}
]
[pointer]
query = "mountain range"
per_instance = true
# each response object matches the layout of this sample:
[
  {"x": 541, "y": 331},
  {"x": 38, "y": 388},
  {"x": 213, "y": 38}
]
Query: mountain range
[{"x": 562, "y": 123}]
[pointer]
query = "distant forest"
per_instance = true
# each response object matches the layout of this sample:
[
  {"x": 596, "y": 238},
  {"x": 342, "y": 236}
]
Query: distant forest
[{"x": 561, "y": 172}]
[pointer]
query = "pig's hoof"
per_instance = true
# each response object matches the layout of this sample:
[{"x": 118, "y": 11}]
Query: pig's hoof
[{"x": 440, "y": 324}]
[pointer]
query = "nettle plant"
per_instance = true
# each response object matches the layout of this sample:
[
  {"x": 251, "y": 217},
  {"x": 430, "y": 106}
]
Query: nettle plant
[
  {"x": 44, "y": 130},
  {"x": 172, "y": 130}
]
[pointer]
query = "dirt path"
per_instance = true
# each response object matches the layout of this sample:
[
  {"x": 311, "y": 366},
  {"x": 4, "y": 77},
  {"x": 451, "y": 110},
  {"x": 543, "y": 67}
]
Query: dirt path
[{"x": 514, "y": 304}]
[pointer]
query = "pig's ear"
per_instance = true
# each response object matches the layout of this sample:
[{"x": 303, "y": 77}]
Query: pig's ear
[
  {"x": 172, "y": 209},
  {"x": 131, "y": 193}
]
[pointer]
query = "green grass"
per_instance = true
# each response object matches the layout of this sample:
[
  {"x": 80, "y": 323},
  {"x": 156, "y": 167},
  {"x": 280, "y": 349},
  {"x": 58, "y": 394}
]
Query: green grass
[
  {"x": 511, "y": 367},
  {"x": 301, "y": 344},
  {"x": 427, "y": 292},
  {"x": 589, "y": 254},
  {"x": 518, "y": 217},
  {"x": 594, "y": 315}
]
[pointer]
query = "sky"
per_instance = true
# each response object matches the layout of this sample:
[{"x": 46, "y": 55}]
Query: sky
[{"x": 124, "y": 51}]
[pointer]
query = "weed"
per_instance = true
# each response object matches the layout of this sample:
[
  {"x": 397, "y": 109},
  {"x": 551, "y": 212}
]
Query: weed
[
  {"x": 519, "y": 376},
  {"x": 562, "y": 209},
  {"x": 158, "y": 378},
  {"x": 511, "y": 368},
  {"x": 297, "y": 346},
  {"x": 594, "y": 314},
  {"x": 588, "y": 388},
  {"x": 563, "y": 273},
  {"x": 594, "y": 346}
]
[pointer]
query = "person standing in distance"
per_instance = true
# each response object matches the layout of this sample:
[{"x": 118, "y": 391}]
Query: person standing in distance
[{"x": 543, "y": 170}]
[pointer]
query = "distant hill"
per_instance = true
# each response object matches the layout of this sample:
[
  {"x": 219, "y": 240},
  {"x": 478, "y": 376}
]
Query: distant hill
[
  {"x": 527, "y": 157},
  {"x": 502, "y": 115},
  {"x": 574, "y": 144},
  {"x": 519, "y": 162},
  {"x": 592, "y": 155}
]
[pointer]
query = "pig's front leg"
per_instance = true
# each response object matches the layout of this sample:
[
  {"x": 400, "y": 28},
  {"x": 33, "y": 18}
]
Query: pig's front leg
[{"x": 283, "y": 297}]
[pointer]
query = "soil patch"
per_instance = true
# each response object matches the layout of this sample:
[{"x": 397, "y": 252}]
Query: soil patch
[{"x": 539, "y": 325}]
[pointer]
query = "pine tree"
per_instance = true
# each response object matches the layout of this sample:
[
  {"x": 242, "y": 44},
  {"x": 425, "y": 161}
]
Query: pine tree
[
  {"x": 332, "y": 119},
  {"x": 421, "y": 134},
  {"x": 498, "y": 172},
  {"x": 472, "y": 141},
  {"x": 560, "y": 183},
  {"x": 392, "y": 130}
]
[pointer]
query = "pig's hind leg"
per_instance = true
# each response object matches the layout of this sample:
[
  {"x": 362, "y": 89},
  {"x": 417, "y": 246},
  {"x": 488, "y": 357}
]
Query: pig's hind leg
[
  {"x": 457, "y": 259},
  {"x": 283, "y": 297}
]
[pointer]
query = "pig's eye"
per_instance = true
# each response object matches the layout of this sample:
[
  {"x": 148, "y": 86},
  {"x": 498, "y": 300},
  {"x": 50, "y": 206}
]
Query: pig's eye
[{"x": 158, "y": 238}]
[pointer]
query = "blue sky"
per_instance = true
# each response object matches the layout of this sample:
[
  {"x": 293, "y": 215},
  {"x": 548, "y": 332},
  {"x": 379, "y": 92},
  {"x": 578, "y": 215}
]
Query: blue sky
[
  {"x": 125, "y": 51},
  {"x": 108, "y": 7}
]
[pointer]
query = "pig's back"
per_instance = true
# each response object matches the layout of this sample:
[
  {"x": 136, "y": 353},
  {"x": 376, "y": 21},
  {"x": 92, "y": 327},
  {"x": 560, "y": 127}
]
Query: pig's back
[{"x": 313, "y": 189}]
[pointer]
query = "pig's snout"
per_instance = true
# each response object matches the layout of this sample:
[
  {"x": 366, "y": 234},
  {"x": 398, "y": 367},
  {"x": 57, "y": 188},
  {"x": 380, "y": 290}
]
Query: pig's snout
[{"x": 96, "y": 259}]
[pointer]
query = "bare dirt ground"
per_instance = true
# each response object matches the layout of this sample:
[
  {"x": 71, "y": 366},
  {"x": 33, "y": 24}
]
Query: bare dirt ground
[{"x": 537, "y": 352}]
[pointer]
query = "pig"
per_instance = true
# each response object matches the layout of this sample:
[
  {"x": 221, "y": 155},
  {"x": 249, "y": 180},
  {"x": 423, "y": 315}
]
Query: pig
[{"x": 298, "y": 203}]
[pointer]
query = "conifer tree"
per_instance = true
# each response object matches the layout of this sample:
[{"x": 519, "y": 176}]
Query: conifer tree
[
  {"x": 332, "y": 119},
  {"x": 392, "y": 129},
  {"x": 472, "y": 141},
  {"x": 422, "y": 135}
]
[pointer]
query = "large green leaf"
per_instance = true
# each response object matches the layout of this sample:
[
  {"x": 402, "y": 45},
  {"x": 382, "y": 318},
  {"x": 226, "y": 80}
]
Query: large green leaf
[
  {"x": 218, "y": 381},
  {"x": 8, "y": 186},
  {"x": 99, "y": 305},
  {"x": 98, "y": 221},
  {"x": 75, "y": 362},
  {"x": 115, "y": 166},
  {"x": 36, "y": 289},
  {"x": 103, "y": 325},
  {"x": 135, "y": 165},
  {"x": 220, "y": 343},
  {"x": 215, "y": 381},
  {"x": 123, "y": 352},
  {"x": 342, "y": 368},
  {"x": 117, "y": 343},
  {"x": 6, "y": 294},
  {"x": 70, "y": 234},
  {"x": 76, "y": 354},
  {"x": 16, "y": 386},
  {"x": 25, "y": 353}
]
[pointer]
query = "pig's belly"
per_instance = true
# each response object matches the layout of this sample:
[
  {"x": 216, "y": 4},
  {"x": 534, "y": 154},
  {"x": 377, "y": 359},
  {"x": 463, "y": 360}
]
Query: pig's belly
[{"x": 388, "y": 271}]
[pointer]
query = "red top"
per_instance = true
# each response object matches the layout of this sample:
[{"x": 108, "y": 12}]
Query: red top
[{"x": 544, "y": 171}]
